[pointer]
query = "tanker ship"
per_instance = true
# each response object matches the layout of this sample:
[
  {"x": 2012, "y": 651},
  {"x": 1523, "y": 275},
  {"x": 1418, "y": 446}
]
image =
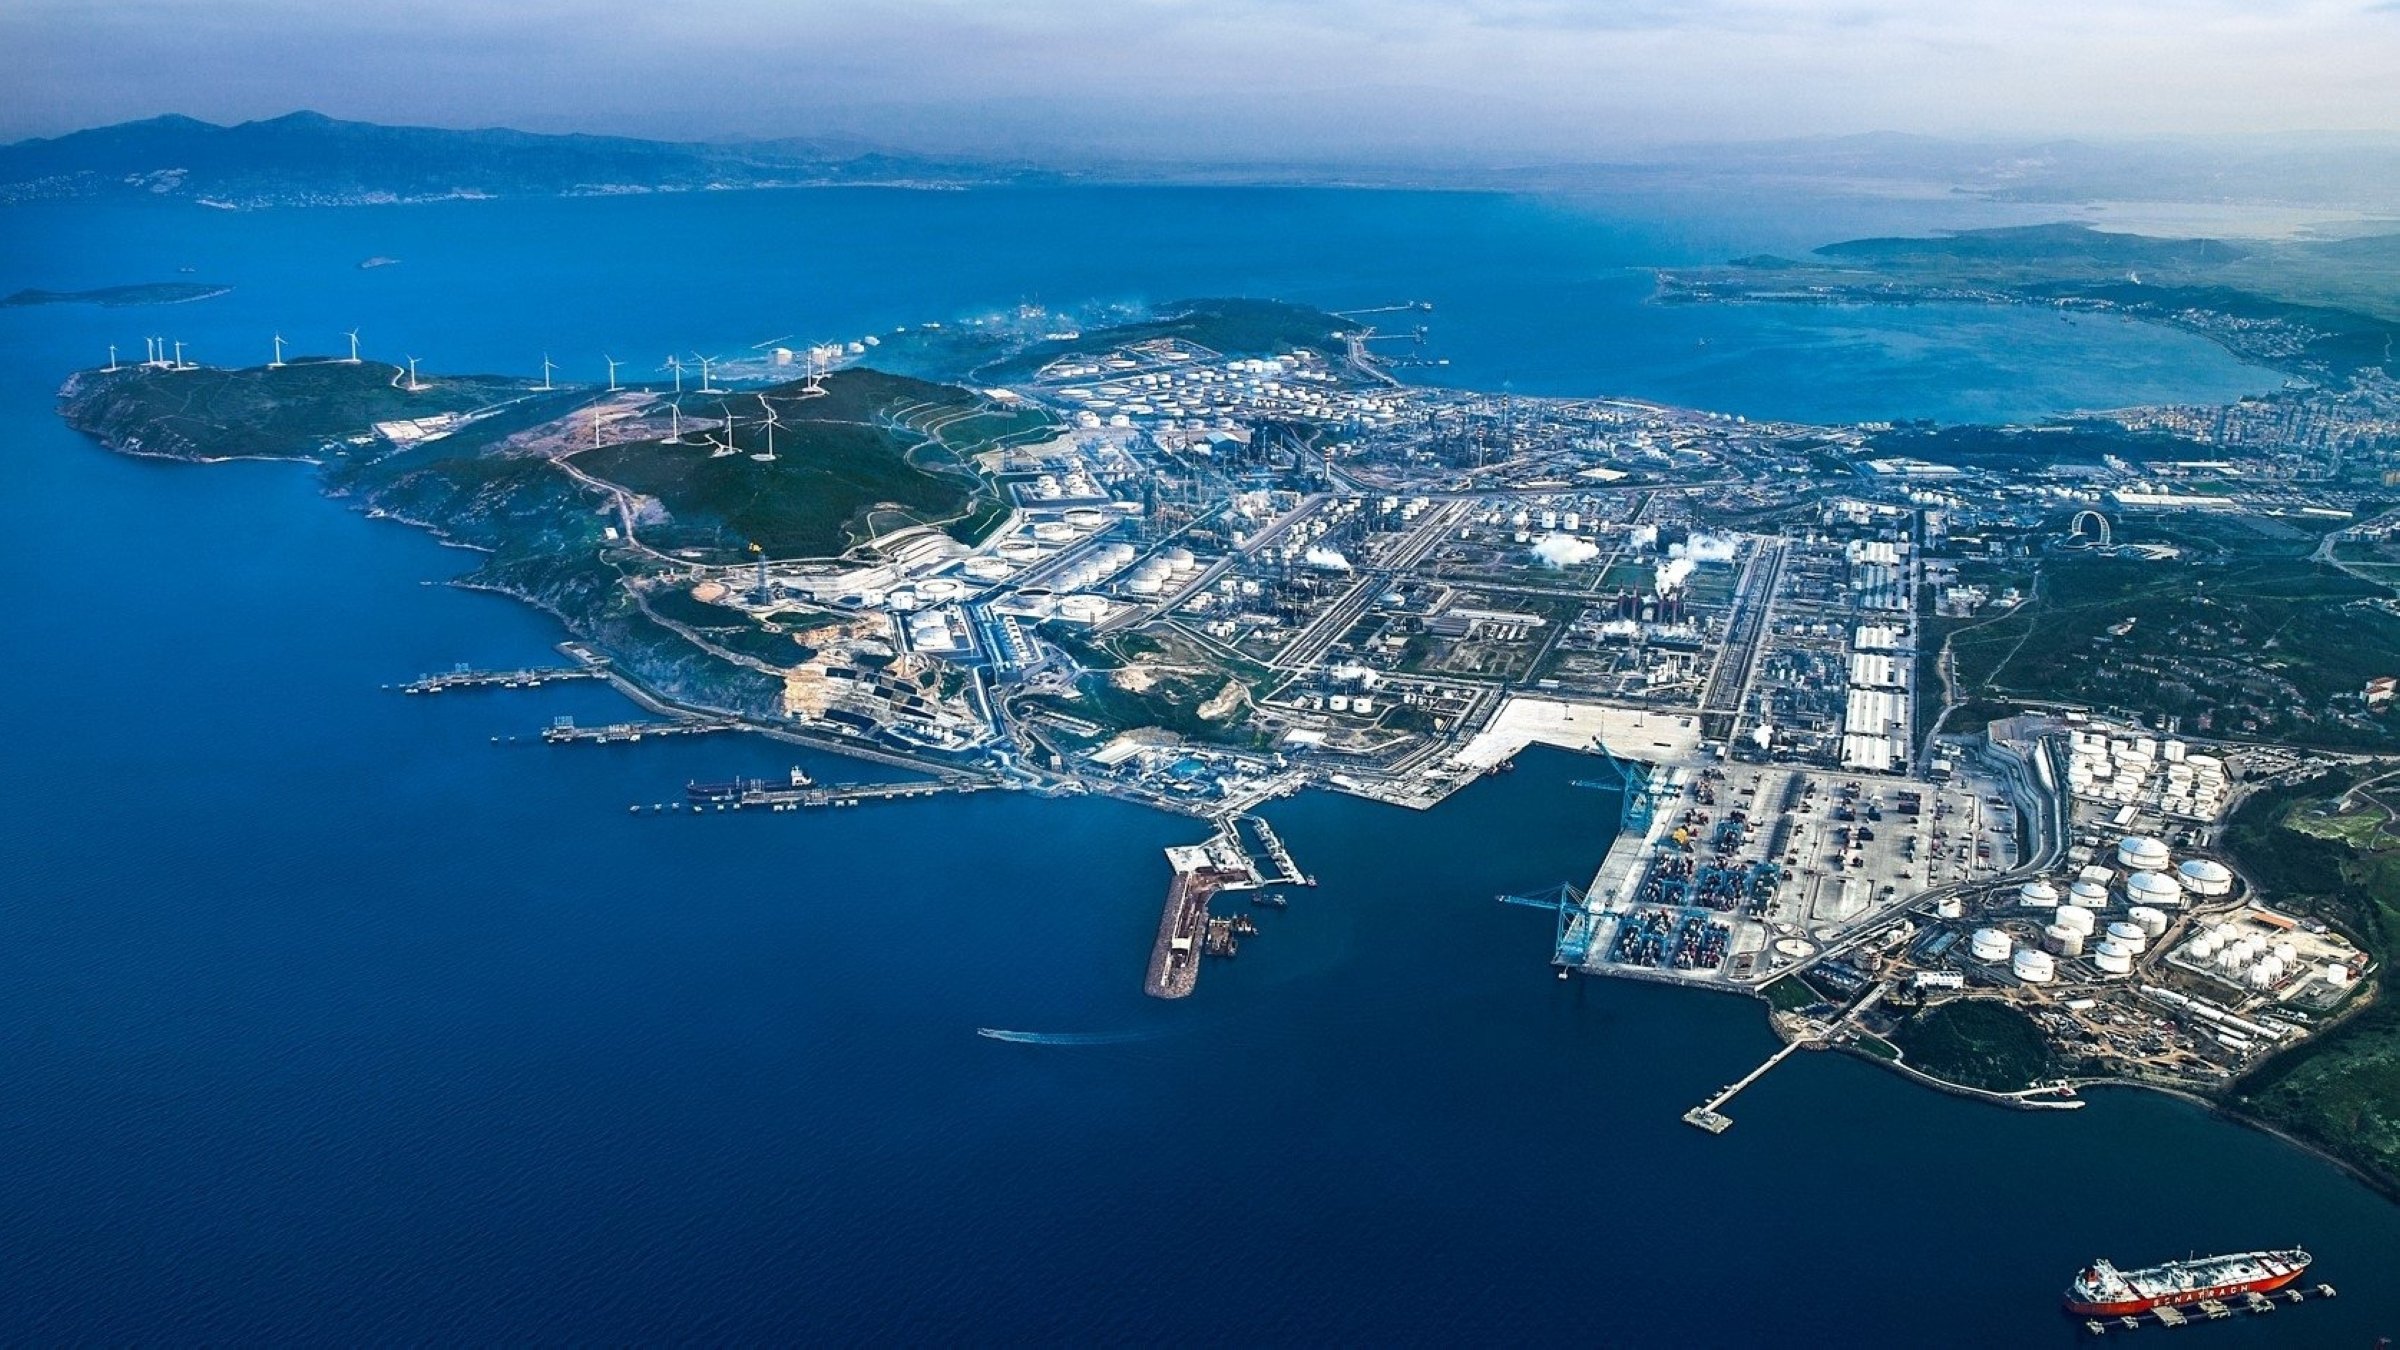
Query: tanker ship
[{"x": 2102, "y": 1290}]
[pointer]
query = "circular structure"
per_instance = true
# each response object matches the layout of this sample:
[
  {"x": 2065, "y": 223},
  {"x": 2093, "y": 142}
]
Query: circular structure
[
  {"x": 1142, "y": 585},
  {"x": 1054, "y": 531},
  {"x": 2090, "y": 527},
  {"x": 1083, "y": 609},
  {"x": 987, "y": 569},
  {"x": 1085, "y": 518},
  {"x": 2078, "y": 918},
  {"x": 2206, "y": 877},
  {"x": 2033, "y": 966},
  {"x": 2038, "y": 895},
  {"x": 2089, "y": 894},
  {"x": 2063, "y": 940},
  {"x": 2113, "y": 963},
  {"x": 1989, "y": 944},
  {"x": 1793, "y": 948},
  {"x": 2337, "y": 975},
  {"x": 2152, "y": 922},
  {"x": 2142, "y": 853},
  {"x": 2159, "y": 890},
  {"x": 1950, "y": 907},
  {"x": 2128, "y": 936}
]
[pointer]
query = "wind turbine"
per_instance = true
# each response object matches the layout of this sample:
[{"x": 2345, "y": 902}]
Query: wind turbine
[
  {"x": 729, "y": 446},
  {"x": 112, "y": 358},
  {"x": 613, "y": 363},
  {"x": 772, "y": 423},
  {"x": 277, "y": 363},
  {"x": 675, "y": 423},
  {"x": 707, "y": 377},
  {"x": 413, "y": 386},
  {"x": 179, "y": 365},
  {"x": 545, "y": 384},
  {"x": 676, "y": 365},
  {"x": 354, "y": 346}
]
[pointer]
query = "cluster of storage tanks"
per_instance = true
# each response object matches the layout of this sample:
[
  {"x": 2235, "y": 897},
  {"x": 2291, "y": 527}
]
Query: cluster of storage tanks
[
  {"x": 2071, "y": 922},
  {"x": 2255, "y": 960},
  {"x": 2120, "y": 770},
  {"x": 1157, "y": 572}
]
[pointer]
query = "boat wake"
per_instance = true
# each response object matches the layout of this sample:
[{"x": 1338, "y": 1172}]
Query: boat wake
[{"x": 1066, "y": 1037}]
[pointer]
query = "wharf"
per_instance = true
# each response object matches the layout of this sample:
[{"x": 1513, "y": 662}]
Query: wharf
[
  {"x": 529, "y": 677},
  {"x": 764, "y": 795},
  {"x": 2212, "y": 1309},
  {"x": 1710, "y": 1116},
  {"x": 1186, "y": 930},
  {"x": 565, "y": 732}
]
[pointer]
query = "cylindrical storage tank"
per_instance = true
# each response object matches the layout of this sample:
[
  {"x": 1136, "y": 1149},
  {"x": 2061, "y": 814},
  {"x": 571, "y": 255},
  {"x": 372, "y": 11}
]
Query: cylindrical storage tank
[
  {"x": 1118, "y": 553},
  {"x": 2158, "y": 890},
  {"x": 1949, "y": 907},
  {"x": 2078, "y": 918},
  {"x": 2337, "y": 975},
  {"x": 2113, "y": 963},
  {"x": 1020, "y": 550},
  {"x": 2089, "y": 894},
  {"x": 1054, "y": 531},
  {"x": 2130, "y": 936},
  {"x": 2205, "y": 877},
  {"x": 1083, "y": 608},
  {"x": 2063, "y": 940},
  {"x": 1989, "y": 944},
  {"x": 2142, "y": 853},
  {"x": 940, "y": 589},
  {"x": 1181, "y": 559},
  {"x": 2033, "y": 966},
  {"x": 1137, "y": 584},
  {"x": 2038, "y": 895},
  {"x": 2152, "y": 922}
]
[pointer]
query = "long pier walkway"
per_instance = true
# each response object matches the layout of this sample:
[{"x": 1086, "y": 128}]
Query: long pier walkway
[
  {"x": 1710, "y": 1115},
  {"x": 529, "y": 677}
]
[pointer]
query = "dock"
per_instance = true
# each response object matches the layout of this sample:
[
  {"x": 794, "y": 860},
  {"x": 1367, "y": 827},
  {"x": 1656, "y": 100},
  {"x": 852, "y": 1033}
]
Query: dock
[
  {"x": 767, "y": 795},
  {"x": 563, "y": 731},
  {"x": 528, "y": 677},
  {"x": 1710, "y": 1115},
  {"x": 1186, "y": 930}
]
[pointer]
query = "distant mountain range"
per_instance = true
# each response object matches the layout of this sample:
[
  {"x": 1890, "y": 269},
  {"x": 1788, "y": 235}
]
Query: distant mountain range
[{"x": 308, "y": 158}]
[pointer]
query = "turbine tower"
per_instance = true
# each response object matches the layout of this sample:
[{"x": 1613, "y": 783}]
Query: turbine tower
[
  {"x": 613, "y": 363},
  {"x": 545, "y": 384},
  {"x": 179, "y": 365},
  {"x": 772, "y": 423},
  {"x": 112, "y": 358},
  {"x": 277, "y": 363},
  {"x": 676, "y": 364},
  {"x": 353, "y": 346},
  {"x": 708, "y": 376},
  {"x": 413, "y": 386}
]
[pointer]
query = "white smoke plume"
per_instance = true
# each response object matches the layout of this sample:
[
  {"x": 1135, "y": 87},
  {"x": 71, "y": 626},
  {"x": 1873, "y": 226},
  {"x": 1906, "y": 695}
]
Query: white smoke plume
[
  {"x": 1326, "y": 559},
  {"x": 1563, "y": 550}
]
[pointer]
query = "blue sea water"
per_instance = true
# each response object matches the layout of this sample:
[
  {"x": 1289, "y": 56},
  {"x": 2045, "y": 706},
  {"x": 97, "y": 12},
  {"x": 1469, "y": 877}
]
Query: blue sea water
[{"x": 325, "y": 1019}]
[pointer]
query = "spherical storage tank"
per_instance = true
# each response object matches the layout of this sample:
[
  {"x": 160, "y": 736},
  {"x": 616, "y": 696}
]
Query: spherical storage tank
[
  {"x": 2089, "y": 894},
  {"x": 2129, "y": 936},
  {"x": 2038, "y": 895},
  {"x": 2033, "y": 966},
  {"x": 2141, "y": 852},
  {"x": 2158, "y": 890},
  {"x": 2206, "y": 877},
  {"x": 2078, "y": 918},
  {"x": 1989, "y": 944},
  {"x": 2152, "y": 922},
  {"x": 2064, "y": 940}
]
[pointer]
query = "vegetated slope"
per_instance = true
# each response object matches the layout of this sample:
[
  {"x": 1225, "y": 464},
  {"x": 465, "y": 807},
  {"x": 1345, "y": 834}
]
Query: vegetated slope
[
  {"x": 2341, "y": 1090},
  {"x": 870, "y": 441},
  {"x": 284, "y": 413},
  {"x": 1978, "y": 1043}
]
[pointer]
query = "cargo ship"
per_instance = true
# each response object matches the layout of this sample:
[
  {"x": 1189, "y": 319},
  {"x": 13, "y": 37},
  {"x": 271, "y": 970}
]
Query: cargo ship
[
  {"x": 740, "y": 788},
  {"x": 2102, "y": 1290}
]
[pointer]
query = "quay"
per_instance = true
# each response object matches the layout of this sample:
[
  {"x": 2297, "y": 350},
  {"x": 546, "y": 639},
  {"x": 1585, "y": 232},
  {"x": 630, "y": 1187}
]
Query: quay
[
  {"x": 1710, "y": 1115},
  {"x": 765, "y": 794},
  {"x": 1186, "y": 930},
  {"x": 563, "y": 731},
  {"x": 530, "y": 677}
]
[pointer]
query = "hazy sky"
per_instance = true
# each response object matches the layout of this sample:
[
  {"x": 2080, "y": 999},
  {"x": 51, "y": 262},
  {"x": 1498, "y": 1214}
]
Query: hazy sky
[{"x": 1479, "y": 79}]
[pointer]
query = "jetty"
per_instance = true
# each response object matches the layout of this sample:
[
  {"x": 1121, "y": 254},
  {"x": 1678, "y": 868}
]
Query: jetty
[
  {"x": 563, "y": 731},
  {"x": 526, "y": 677},
  {"x": 1225, "y": 862}
]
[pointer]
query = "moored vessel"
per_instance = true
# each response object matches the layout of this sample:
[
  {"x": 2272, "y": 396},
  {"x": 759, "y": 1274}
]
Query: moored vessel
[{"x": 2102, "y": 1290}]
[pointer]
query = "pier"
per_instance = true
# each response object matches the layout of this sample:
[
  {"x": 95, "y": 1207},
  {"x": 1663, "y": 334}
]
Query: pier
[
  {"x": 1710, "y": 1115},
  {"x": 1186, "y": 930},
  {"x": 2210, "y": 1310},
  {"x": 529, "y": 677},
  {"x": 766, "y": 794},
  {"x": 563, "y": 731}
]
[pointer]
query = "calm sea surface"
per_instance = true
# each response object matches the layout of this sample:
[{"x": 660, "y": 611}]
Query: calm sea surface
[{"x": 322, "y": 1018}]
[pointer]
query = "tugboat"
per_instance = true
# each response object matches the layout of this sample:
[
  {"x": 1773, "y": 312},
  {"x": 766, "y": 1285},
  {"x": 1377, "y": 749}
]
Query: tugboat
[
  {"x": 1269, "y": 900},
  {"x": 2102, "y": 1290}
]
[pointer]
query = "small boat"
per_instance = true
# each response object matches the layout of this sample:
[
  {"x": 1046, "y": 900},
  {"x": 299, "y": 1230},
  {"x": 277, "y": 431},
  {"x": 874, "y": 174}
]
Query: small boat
[{"x": 1268, "y": 900}]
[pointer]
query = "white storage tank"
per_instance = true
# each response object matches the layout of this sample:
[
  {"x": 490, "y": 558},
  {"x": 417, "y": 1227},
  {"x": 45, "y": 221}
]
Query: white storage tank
[
  {"x": 1949, "y": 907},
  {"x": 2206, "y": 877},
  {"x": 2064, "y": 940},
  {"x": 2205, "y": 947},
  {"x": 2337, "y": 975},
  {"x": 2089, "y": 894},
  {"x": 2283, "y": 951},
  {"x": 2142, "y": 853},
  {"x": 2033, "y": 966},
  {"x": 2129, "y": 936},
  {"x": 2038, "y": 895},
  {"x": 2156, "y": 889},
  {"x": 2112, "y": 963},
  {"x": 1989, "y": 944},
  {"x": 2263, "y": 975},
  {"x": 2152, "y": 922},
  {"x": 2078, "y": 918},
  {"x": 2231, "y": 960}
]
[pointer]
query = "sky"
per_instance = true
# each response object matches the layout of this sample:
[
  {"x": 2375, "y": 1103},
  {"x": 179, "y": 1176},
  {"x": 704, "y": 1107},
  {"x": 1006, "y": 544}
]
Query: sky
[{"x": 1482, "y": 80}]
